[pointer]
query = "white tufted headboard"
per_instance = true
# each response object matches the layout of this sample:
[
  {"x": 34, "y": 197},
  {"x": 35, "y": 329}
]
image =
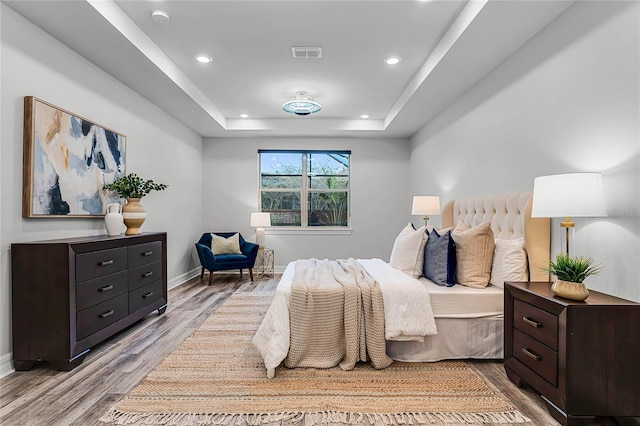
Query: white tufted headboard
[{"x": 510, "y": 217}]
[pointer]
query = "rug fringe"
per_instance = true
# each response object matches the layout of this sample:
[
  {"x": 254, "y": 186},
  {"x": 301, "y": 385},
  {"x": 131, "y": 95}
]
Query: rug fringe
[{"x": 114, "y": 416}]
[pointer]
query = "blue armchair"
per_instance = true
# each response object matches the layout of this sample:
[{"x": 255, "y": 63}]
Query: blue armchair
[{"x": 222, "y": 262}]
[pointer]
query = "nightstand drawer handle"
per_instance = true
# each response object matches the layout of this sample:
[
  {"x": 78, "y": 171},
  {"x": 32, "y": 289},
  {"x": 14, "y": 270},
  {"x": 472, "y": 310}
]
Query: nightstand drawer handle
[
  {"x": 531, "y": 354},
  {"x": 148, "y": 274},
  {"x": 106, "y": 314},
  {"x": 106, "y": 288},
  {"x": 144, "y": 296},
  {"x": 147, "y": 253},
  {"x": 106, "y": 262},
  {"x": 532, "y": 323}
]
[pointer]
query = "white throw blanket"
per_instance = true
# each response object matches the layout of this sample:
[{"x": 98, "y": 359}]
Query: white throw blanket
[{"x": 407, "y": 310}]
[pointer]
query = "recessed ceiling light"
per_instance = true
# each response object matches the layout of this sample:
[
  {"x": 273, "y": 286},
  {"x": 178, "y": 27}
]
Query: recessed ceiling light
[
  {"x": 365, "y": 116},
  {"x": 244, "y": 115},
  {"x": 203, "y": 59},
  {"x": 392, "y": 60},
  {"x": 160, "y": 16}
]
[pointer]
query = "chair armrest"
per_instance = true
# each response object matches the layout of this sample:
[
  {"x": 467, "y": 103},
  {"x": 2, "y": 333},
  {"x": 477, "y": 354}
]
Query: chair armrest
[
  {"x": 251, "y": 251},
  {"x": 205, "y": 254}
]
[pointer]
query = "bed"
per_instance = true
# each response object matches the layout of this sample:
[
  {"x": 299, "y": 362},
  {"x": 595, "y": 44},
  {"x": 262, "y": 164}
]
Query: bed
[{"x": 468, "y": 321}]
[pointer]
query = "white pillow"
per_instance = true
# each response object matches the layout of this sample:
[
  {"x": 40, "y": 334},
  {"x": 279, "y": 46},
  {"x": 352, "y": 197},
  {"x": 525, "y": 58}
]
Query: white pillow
[
  {"x": 222, "y": 245},
  {"x": 509, "y": 262},
  {"x": 407, "y": 254}
]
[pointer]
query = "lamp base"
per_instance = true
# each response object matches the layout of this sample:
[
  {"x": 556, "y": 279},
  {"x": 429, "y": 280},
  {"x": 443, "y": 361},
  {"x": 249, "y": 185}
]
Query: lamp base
[{"x": 260, "y": 237}]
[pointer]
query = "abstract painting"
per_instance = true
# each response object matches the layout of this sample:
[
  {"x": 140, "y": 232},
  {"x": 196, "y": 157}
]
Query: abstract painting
[{"x": 67, "y": 159}]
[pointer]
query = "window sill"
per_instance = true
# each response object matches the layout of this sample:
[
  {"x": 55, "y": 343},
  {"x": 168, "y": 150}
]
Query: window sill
[{"x": 307, "y": 231}]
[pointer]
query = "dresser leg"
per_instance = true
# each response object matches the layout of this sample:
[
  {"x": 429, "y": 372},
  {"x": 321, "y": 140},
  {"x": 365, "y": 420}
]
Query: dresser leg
[
  {"x": 565, "y": 420},
  {"x": 68, "y": 365},
  {"x": 162, "y": 309},
  {"x": 517, "y": 380},
  {"x": 23, "y": 365}
]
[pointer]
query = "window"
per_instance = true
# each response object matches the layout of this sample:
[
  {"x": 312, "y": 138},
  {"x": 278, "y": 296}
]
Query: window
[{"x": 305, "y": 189}]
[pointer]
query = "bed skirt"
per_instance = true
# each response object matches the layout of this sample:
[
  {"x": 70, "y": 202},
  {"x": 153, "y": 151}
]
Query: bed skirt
[{"x": 457, "y": 338}]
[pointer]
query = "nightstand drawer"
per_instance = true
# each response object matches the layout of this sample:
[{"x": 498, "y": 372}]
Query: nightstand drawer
[
  {"x": 538, "y": 357},
  {"x": 537, "y": 323}
]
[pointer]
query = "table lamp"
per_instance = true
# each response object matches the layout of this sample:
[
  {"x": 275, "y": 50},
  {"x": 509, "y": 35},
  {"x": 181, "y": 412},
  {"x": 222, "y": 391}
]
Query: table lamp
[
  {"x": 568, "y": 195},
  {"x": 260, "y": 220},
  {"x": 424, "y": 205}
]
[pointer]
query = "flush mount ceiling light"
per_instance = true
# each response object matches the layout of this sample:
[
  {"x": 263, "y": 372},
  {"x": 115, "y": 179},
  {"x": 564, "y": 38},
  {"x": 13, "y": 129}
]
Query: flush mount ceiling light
[{"x": 303, "y": 104}]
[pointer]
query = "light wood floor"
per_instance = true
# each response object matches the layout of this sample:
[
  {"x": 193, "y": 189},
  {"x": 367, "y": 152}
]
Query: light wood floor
[{"x": 44, "y": 396}]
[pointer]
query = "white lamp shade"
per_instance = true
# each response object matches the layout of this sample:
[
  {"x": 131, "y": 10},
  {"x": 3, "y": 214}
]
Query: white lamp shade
[
  {"x": 569, "y": 195},
  {"x": 260, "y": 219},
  {"x": 425, "y": 205}
]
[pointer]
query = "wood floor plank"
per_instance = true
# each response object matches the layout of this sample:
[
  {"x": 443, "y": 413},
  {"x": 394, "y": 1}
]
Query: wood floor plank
[{"x": 80, "y": 397}]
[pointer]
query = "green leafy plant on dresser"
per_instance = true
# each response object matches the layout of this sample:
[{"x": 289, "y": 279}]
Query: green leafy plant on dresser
[{"x": 571, "y": 271}]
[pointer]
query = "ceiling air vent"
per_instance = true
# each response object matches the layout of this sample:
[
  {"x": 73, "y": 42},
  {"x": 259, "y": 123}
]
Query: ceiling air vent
[{"x": 306, "y": 52}]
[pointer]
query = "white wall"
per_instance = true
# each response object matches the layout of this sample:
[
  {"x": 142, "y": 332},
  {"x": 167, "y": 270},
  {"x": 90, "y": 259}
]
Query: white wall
[
  {"x": 568, "y": 101},
  {"x": 158, "y": 147},
  {"x": 379, "y": 196}
]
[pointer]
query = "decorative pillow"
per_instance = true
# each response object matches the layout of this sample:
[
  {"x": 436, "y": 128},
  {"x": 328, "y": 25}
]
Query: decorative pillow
[
  {"x": 222, "y": 245},
  {"x": 474, "y": 253},
  {"x": 408, "y": 250},
  {"x": 509, "y": 262},
  {"x": 440, "y": 259}
]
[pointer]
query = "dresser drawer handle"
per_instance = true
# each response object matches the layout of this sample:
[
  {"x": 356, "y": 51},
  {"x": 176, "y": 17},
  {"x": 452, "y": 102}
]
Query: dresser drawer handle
[
  {"x": 147, "y": 274},
  {"x": 531, "y": 354},
  {"x": 147, "y": 253},
  {"x": 106, "y": 314},
  {"x": 106, "y": 262},
  {"x": 144, "y": 296},
  {"x": 532, "y": 323},
  {"x": 106, "y": 288}
]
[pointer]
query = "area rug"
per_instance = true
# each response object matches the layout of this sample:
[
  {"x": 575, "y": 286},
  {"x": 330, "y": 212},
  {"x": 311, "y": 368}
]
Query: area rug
[{"x": 217, "y": 377}]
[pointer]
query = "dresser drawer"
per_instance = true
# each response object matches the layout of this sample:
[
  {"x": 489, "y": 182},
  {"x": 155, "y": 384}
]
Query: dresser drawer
[
  {"x": 101, "y": 315},
  {"x": 100, "y": 263},
  {"x": 142, "y": 254},
  {"x": 537, "y": 323},
  {"x": 538, "y": 357},
  {"x": 143, "y": 296},
  {"x": 92, "y": 292},
  {"x": 145, "y": 274}
]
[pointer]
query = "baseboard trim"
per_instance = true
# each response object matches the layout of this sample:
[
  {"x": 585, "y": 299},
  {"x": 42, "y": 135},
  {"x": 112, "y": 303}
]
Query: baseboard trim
[
  {"x": 183, "y": 278},
  {"x": 6, "y": 366}
]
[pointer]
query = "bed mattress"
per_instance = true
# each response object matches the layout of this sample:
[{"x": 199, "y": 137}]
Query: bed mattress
[{"x": 464, "y": 302}]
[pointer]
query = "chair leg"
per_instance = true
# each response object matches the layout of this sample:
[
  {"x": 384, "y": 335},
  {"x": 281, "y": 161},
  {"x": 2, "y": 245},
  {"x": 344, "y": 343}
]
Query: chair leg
[
  {"x": 202, "y": 273},
  {"x": 251, "y": 273},
  {"x": 240, "y": 273},
  {"x": 210, "y": 277}
]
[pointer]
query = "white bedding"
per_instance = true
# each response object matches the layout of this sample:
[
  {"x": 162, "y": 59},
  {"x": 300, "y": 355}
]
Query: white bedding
[
  {"x": 464, "y": 302},
  {"x": 407, "y": 308}
]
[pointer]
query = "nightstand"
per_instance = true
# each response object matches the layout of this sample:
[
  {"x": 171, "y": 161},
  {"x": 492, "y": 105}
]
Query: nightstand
[
  {"x": 265, "y": 262},
  {"x": 582, "y": 357}
]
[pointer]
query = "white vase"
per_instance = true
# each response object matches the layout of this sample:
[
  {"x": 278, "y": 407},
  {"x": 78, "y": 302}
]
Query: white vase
[{"x": 114, "y": 220}]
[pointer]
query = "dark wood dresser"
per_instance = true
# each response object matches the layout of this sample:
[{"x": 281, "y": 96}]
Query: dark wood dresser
[
  {"x": 582, "y": 357},
  {"x": 70, "y": 294}
]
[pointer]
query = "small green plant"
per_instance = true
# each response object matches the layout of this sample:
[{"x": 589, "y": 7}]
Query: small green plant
[
  {"x": 575, "y": 269},
  {"x": 133, "y": 186}
]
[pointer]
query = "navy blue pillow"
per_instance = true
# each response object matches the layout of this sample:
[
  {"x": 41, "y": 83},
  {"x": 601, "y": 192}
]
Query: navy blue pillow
[{"x": 440, "y": 259}]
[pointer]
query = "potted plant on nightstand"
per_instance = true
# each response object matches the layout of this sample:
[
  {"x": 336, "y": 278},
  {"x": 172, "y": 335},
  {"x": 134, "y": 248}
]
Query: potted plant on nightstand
[
  {"x": 133, "y": 188},
  {"x": 571, "y": 271}
]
